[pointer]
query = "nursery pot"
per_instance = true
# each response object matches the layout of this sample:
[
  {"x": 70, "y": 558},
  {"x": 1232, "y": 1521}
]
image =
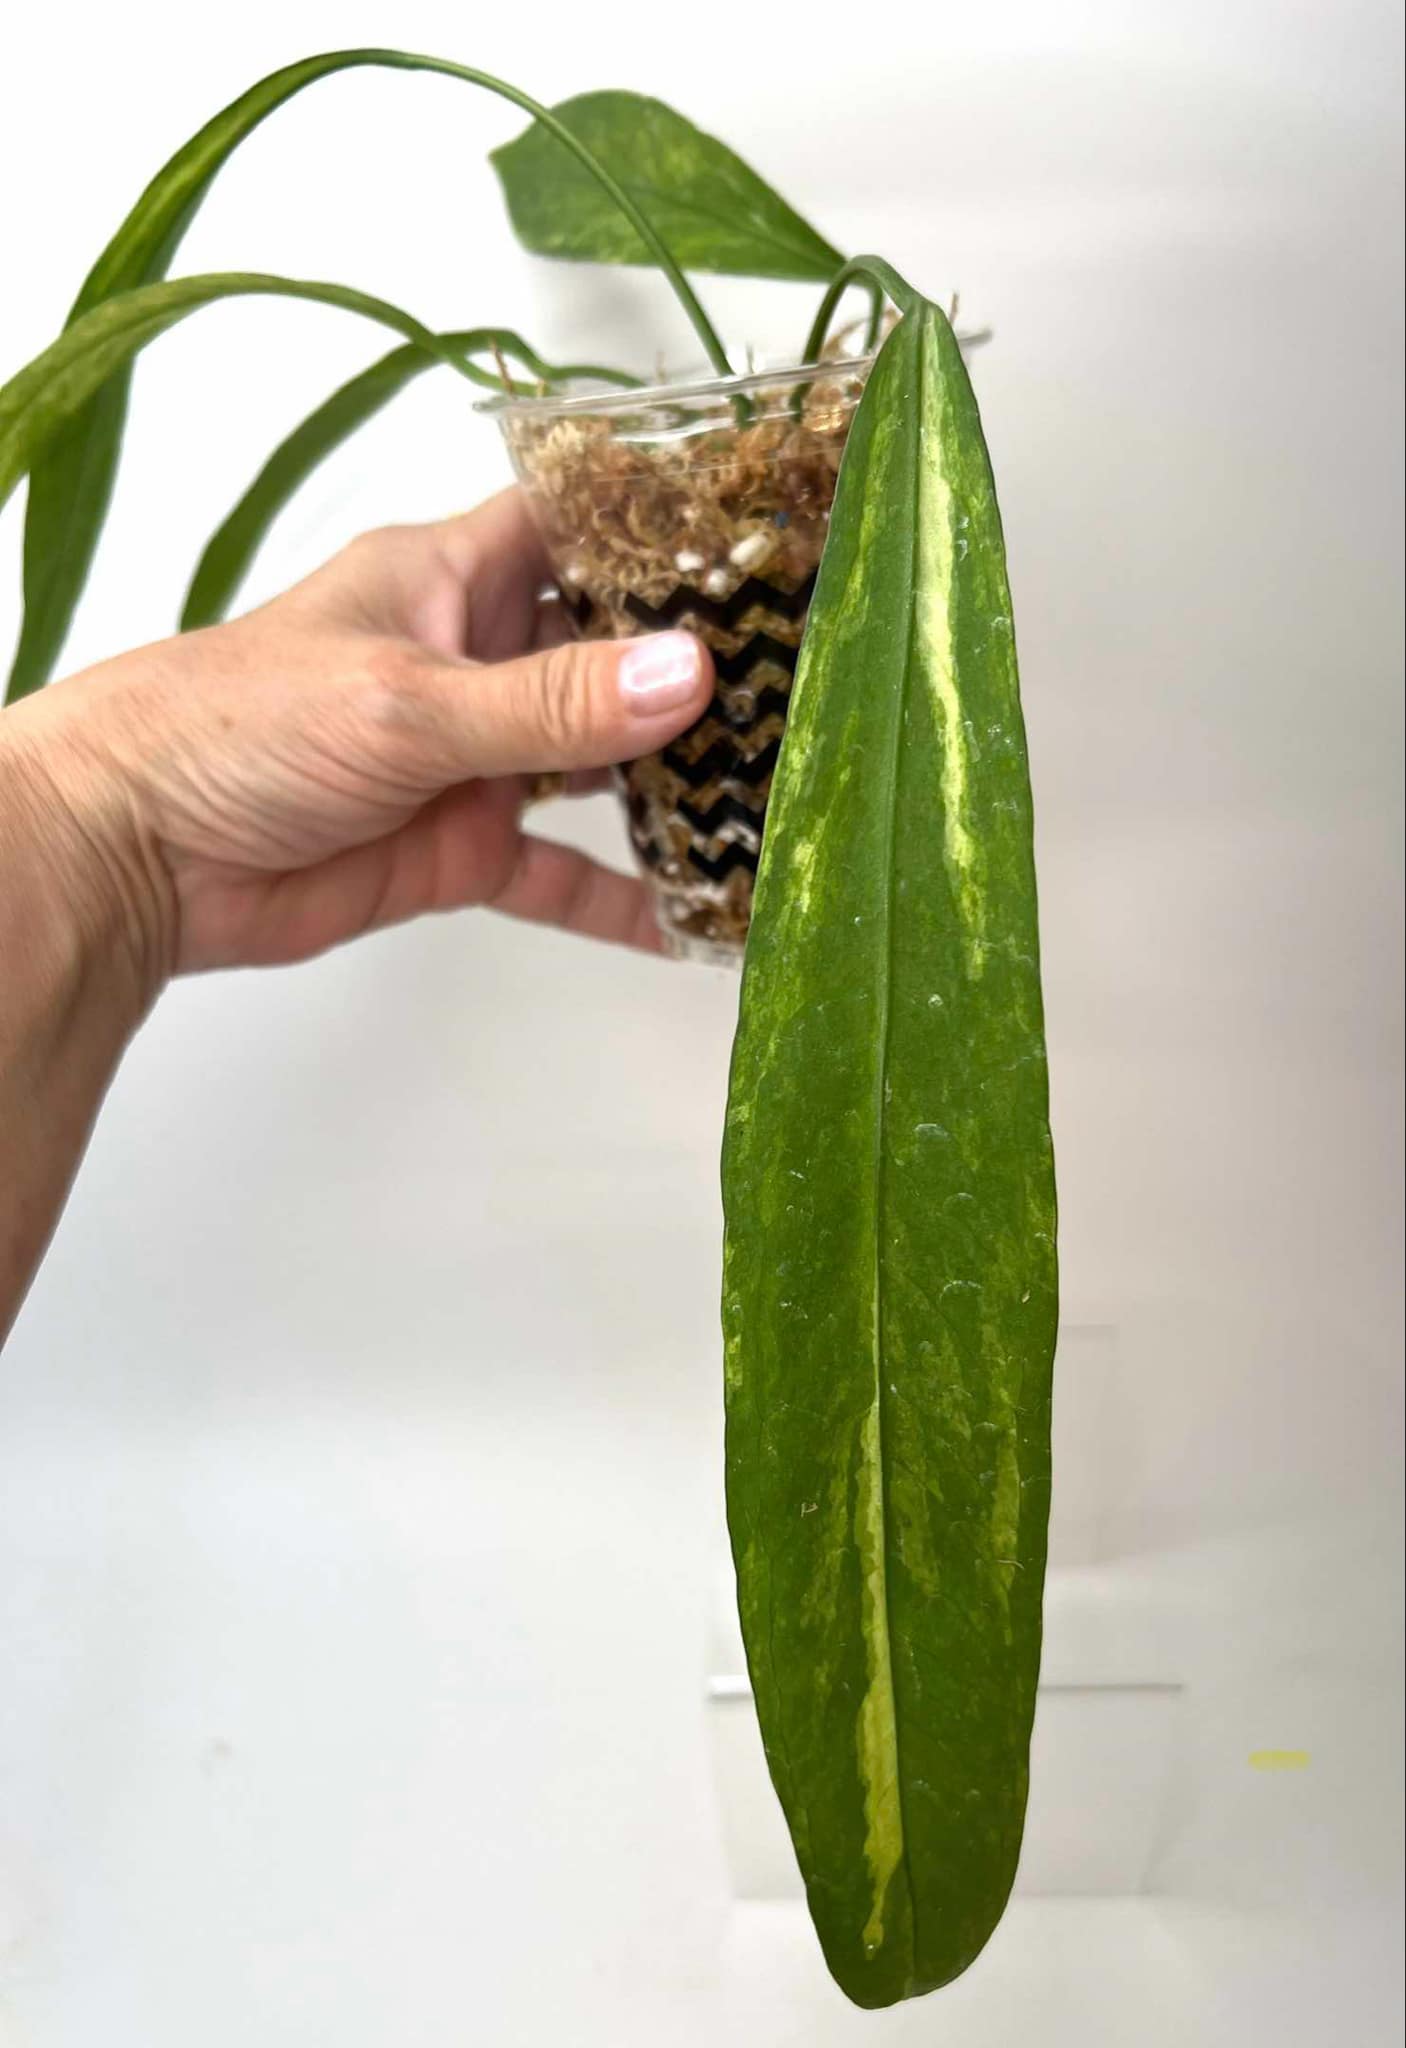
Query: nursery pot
[{"x": 703, "y": 506}]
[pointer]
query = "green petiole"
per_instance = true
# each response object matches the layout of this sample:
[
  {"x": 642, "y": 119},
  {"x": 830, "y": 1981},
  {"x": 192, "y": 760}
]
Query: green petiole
[
  {"x": 639, "y": 220},
  {"x": 883, "y": 281}
]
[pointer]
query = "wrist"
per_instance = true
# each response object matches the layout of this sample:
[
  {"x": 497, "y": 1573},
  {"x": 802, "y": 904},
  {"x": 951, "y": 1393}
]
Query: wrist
[{"x": 84, "y": 905}]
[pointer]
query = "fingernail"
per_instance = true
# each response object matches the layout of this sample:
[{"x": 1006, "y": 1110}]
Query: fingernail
[{"x": 658, "y": 673}]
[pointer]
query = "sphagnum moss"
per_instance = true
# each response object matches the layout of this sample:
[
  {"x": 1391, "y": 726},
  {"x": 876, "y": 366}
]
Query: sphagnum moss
[{"x": 678, "y": 513}]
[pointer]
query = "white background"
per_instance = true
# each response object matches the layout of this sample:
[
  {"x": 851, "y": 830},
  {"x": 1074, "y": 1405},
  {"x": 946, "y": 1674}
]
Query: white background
[{"x": 359, "y": 1445}]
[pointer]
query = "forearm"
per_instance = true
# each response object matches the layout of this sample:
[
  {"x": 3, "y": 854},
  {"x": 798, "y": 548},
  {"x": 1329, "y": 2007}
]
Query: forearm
[
  {"x": 77, "y": 973},
  {"x": 354, "y": 753}
]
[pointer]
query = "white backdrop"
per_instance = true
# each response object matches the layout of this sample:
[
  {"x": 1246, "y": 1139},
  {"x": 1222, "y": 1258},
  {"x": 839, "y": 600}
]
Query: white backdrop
[{"x": 359, "y": 1444}]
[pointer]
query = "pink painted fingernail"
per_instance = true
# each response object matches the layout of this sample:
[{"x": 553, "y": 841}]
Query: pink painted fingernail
[{"x": 659, "y": 673}]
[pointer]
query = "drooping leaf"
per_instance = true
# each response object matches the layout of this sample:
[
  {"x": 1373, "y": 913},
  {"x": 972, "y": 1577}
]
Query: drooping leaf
[
  {"x": 712, "y": 209},
  {"x": 231, "y": 549},
  {"x": 40, "y": 402},
  {"x": 70, "y": 490},
  {"x": 890, "y": 1278}
]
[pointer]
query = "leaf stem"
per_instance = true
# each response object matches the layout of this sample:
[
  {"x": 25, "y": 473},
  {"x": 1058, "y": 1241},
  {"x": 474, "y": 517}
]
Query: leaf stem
[
  {"x": 505, "y": 346},
  {"x": 876, "y": 318},
  {"x": 883, "y": 280},
  {"x": 614, "y": 190}
]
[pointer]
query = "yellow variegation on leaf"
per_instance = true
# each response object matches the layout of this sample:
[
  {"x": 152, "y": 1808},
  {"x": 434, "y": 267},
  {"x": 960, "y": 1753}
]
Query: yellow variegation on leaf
[{"x": 890, "y": 1281}]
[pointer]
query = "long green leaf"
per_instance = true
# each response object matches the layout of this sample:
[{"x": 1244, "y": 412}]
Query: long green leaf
[
  {"x": 40, "y": 402},
  {"x": 890, "y": 1278},
  {"x": 713, "y": 210},
  {"x": 231, "y": 549},
  {"x": 70, "y": 491}
]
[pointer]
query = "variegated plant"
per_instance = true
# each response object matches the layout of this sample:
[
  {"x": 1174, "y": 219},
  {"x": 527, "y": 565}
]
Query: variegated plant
[{"x": 889, "y": 1290}]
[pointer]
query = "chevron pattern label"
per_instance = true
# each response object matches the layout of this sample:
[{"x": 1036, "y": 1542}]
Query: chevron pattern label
[
  {"x": 683, "y": 509},
  {"x": 697, "y": 809}
]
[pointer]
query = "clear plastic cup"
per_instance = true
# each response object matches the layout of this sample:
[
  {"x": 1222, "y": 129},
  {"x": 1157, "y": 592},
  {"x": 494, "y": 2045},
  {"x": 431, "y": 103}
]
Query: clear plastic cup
[{"x": 700, "y": 505}]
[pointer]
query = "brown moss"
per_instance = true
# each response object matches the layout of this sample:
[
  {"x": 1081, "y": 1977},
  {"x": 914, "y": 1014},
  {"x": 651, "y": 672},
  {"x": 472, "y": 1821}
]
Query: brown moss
[{"x": 659, "y": 514}]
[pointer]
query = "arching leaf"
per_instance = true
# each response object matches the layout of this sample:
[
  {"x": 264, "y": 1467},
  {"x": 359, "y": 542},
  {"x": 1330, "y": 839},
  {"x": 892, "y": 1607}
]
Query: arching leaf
[
  {"x": 231, "y": 549},
  {"x": 40, "y": 403},
  {"x": 70, "y": 489}
]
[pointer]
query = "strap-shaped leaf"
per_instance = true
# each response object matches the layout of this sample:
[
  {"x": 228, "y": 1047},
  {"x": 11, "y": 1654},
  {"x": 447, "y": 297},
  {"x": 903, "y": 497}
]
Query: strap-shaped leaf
[
  {"x": 70, "y": 491},
  {"x": 890, "y": 1279},
  {"x": 40, "y": 403},
  {"x": 713, "y": 210},
  {"x": 231, "y": 549}
]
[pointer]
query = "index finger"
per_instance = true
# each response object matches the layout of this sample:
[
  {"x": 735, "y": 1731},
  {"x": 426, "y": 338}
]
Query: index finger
[
  {"x": 462, "y": 586},
  {"x": 555, "y": 884},
  {"x": 497, "y": 556}
]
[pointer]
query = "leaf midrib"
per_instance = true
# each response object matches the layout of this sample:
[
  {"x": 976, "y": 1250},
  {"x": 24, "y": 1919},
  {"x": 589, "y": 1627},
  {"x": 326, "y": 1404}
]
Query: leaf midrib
[{"x": 881, "y": 1153}]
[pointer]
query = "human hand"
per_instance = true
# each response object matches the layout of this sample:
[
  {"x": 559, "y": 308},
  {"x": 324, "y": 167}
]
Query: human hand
[{"x": 354, "y": 752}]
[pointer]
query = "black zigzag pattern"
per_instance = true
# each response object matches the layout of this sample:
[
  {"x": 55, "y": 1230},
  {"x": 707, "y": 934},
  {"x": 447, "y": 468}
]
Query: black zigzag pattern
[
  {"x": 718, "y": 869},
  {"x": 734, "y": 668},
  {"x": 766, "y": 705},
  {"x": 722, "y": 759},
  {"x": 727, "y": 809},
  {"x": 731, "y": 668},
  {"x": 740, "y": 710},
  {"x": 724, "y": 614},
  {"x": 741, "y": 802},
  {"x": 748, "y": 711}
]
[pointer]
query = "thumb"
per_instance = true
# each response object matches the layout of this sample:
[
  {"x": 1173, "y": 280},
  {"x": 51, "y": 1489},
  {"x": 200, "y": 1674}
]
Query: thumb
[{"x": 582, "y": 705}]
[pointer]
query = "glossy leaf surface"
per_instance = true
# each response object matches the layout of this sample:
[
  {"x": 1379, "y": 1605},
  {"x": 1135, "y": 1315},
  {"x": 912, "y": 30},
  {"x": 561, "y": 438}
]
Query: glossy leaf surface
[
  {"x": 890, "y": 1277},
  {"x": 712, "y": 209}
]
